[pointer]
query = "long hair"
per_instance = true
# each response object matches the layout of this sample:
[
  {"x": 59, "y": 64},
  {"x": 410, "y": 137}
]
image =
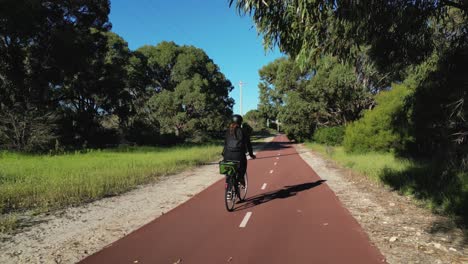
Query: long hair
[{"x": 232, "y": 129}]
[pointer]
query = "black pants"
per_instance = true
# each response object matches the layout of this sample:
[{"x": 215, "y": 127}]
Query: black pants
[{"x": 238, "y": 156}]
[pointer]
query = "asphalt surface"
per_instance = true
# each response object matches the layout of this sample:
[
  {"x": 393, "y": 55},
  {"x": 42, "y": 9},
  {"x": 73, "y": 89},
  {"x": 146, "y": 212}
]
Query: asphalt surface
[{"x": 290, "y": 216}]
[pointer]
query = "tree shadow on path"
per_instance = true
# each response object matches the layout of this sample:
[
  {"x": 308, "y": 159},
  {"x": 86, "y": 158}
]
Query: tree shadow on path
[
  {"x": 282, "y": 155},
  {"x": 283, "y": 193},
  {"x": 277, "y": 145}
]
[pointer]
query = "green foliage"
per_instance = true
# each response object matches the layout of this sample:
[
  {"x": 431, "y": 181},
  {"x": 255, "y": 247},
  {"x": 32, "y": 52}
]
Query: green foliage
[
  {"x": 442, "y": 128},
  {"x": 255, "y": 119},
  {"x": 36, "y": 54},
  {"x": 419, "y": 45},
  {"x": 329, "y": 94},
  {"x": 334, "y": 93},
  {"x": 375, "y": 130},
  {"x": 277, "y": 78},
  {"x": 193, "y": 95},
  {"x": 397, "y": 31},
  {"x": 331, "y": 136},
  {"x": 295, "y": 118},
  {"x": 108, "y": 94},
  {"x": 39, "y": 42}
]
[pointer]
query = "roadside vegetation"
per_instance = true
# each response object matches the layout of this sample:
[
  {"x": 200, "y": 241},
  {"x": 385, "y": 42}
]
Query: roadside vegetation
[
  {"x": 382, "y": 84},
  {"x": 45, "y": 182},
  {"x": 420, "y": 179},
  {"x": 161, "y": 94},
  {"x": 371, "y": 164},
  {"x": 73, "y": 95}
]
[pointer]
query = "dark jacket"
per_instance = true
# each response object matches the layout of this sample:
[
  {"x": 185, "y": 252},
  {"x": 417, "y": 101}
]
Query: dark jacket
[{"x": 238, "y": 142}]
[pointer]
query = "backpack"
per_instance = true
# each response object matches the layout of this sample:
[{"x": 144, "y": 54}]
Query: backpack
[{"x": 234, "y": 143}]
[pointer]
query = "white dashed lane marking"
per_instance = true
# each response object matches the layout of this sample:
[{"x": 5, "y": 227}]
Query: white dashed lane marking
[
  {"x": 271, "y": 171},
  {"x": 245, "y": 220},
  {"x": 264, "y": 186}
]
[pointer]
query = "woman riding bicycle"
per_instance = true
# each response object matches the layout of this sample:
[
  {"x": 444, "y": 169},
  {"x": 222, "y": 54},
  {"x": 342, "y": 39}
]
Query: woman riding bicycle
[{"x": 236, "y": 144}]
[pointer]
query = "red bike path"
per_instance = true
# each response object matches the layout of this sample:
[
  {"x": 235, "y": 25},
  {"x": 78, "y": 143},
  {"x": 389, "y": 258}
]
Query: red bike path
[{"x": 294, "y": 218}]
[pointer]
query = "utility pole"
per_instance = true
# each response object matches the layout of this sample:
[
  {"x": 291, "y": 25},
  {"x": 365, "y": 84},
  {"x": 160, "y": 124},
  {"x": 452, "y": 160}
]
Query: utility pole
[{"x": 240, "y": 87}]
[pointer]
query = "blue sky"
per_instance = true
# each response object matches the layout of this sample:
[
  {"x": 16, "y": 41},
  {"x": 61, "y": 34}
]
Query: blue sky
[{"x": 229, "y": 39}]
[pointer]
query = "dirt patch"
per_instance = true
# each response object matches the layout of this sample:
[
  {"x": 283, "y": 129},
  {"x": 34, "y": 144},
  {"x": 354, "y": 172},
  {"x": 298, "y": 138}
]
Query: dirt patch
[
  {"x": 403, "y": 231},
  {"x": 69, "y": 235}
]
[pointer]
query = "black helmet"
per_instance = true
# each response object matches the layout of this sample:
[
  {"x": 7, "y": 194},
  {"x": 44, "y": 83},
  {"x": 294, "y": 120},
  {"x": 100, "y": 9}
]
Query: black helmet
[{"x": 237, "y": 119}]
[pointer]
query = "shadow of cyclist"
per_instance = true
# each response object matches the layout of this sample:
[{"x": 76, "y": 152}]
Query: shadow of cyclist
[{"x": 283, "y": 193}]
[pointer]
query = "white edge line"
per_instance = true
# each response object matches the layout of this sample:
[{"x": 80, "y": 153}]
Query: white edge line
[
  {"x": 245, "y": 220},
  {"x": 264, "y": 186}
]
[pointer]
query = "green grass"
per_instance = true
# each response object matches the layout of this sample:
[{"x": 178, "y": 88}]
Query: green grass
[
  {"x": 44, "y": 182},
  {"x": 8, "y": 222},
  {"x": 371, "y": 164},
  {"x": 440, "y": 189}
]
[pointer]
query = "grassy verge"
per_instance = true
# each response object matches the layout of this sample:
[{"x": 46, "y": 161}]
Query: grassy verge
[
  {"x": 370, "y": 164},
  {"x": 441, "y": 190},
  {"x": 50, "y": 182}
]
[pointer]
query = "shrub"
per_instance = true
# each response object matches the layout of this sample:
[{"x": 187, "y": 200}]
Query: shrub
[
  {"x": 143, "y": 132},
  {"x": 332, "y": 136},
  {"x": 375, "y": 130}
]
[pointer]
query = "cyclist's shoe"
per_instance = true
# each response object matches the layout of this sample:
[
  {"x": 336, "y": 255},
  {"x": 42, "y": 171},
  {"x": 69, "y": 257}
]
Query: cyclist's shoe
[{"x": 229, "y": 195}]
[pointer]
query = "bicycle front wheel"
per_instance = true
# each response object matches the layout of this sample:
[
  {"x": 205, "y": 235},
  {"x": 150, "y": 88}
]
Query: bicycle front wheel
[{"x": 230, "y": 194}]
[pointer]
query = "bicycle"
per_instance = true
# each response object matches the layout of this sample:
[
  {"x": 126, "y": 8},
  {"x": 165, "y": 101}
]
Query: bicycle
[{"x": 234, "y": 189}]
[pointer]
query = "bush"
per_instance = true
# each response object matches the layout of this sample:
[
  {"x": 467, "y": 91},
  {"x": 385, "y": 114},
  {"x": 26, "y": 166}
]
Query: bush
[
  {"x": 375, "y": 131},
  {"x": 332, "y": 136},
  {"x": 143, "y": 132},
  {"x": 169, "y": 139}
]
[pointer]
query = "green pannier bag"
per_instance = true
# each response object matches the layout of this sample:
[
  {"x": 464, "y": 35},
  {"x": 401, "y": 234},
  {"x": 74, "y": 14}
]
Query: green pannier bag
[{"x": 228, "y": 167}]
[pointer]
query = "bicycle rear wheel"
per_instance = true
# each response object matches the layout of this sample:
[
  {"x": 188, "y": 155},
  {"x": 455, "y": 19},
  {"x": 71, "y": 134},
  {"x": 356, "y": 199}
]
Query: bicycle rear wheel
[
  {"x": 230, "y": 195},
  {"x": 243, "y": 189}
]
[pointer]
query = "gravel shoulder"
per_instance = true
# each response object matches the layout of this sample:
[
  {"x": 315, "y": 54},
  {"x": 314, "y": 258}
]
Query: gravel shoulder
[
  {"x": 403, "y": 231},
  {"x": 69, "y": 235}
]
